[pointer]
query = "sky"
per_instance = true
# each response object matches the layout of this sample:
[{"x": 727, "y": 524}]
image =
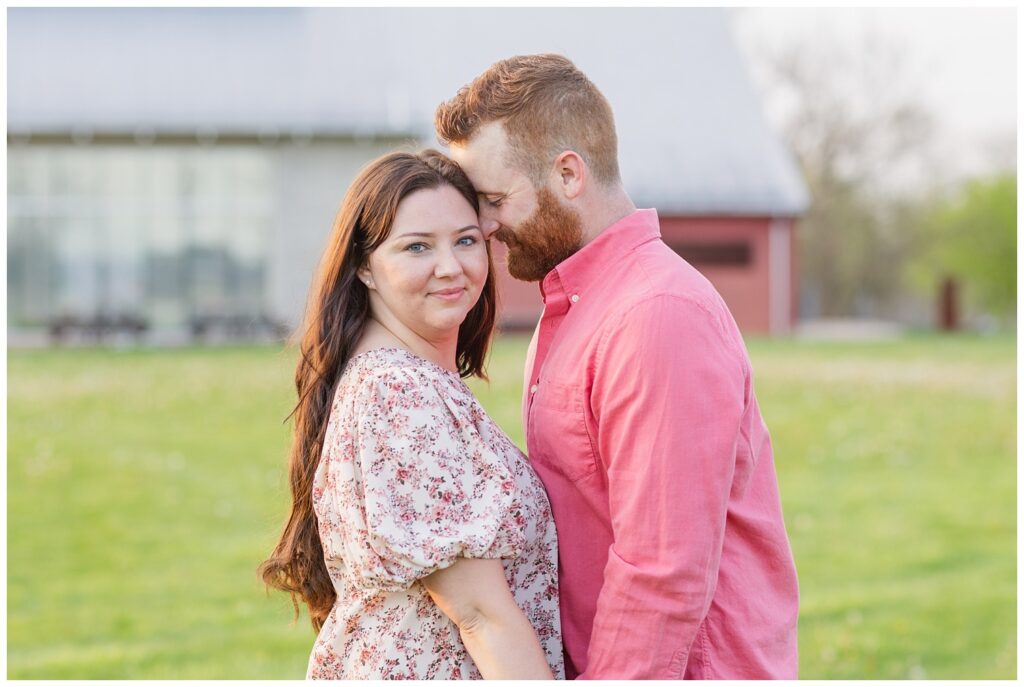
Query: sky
[{"x": 962, "y": 63}]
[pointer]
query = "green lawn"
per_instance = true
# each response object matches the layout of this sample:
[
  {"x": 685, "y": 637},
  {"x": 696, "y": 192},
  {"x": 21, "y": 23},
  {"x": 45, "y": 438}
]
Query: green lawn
[{"x": 144, "y": 487}]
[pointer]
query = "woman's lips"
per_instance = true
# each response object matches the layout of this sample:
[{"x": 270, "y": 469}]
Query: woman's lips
[{"x": 449, "y": 294}]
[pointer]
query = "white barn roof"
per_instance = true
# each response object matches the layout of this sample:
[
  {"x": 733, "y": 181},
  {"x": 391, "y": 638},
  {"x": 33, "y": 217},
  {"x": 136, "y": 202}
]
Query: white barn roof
[{"x": 692, "y": 138}]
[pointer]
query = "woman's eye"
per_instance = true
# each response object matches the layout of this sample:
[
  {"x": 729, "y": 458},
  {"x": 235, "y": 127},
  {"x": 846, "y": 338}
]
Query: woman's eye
[
  {"x": 466, "y": 241},
  {"x": 416, "y": 248}
]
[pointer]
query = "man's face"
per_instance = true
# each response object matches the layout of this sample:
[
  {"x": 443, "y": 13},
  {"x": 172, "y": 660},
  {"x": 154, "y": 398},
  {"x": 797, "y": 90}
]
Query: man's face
[{"x": 538, "y": 229}]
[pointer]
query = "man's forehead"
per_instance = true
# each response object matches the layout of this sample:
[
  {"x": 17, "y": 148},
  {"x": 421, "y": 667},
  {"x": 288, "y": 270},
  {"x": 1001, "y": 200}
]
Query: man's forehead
[
  {"x": 487, "y": 142},
  {"x": 491, "y": 134},
  {"x": 484, "y": 158}
]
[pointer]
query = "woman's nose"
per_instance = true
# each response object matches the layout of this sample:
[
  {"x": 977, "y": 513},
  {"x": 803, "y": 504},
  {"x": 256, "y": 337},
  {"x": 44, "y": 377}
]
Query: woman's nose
[{"x": 447, "y": 265}]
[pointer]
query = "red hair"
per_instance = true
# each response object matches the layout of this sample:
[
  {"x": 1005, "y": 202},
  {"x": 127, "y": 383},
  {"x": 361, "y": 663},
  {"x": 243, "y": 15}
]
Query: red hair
[{"x": 546, "y": 106}]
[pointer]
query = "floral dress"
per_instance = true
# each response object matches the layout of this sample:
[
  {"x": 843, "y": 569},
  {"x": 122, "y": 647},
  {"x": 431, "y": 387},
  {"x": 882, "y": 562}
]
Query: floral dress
[{"x": 414, "y": 475}]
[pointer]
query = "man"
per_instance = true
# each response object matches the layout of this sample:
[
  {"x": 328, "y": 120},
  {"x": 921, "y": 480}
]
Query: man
[{"x": 638, "y": 406}]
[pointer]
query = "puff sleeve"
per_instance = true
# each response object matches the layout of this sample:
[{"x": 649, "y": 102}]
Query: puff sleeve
[{"x": 416, "y": 486}]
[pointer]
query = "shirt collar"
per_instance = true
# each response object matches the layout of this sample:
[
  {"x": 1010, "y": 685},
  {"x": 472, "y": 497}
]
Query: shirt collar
[{"x": 575, "y": 274}]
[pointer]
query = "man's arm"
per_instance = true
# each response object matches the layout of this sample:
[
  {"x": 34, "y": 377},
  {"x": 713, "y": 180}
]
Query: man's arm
[{"x": 668, "y": 396}]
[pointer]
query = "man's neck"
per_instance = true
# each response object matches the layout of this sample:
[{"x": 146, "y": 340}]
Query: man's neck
[{"x": 606, "y": 208}]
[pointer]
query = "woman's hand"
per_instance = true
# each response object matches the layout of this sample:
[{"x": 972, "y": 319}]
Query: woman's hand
[{"x": 474, "y": 594}]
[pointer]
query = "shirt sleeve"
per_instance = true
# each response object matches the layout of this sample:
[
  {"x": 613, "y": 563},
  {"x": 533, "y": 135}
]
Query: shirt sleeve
[
  {"x": 668, "y": 396},
  {"x": 422, "y": 489}
]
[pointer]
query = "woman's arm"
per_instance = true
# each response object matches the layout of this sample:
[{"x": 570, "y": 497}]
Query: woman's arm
[{"x": 473, "y": 593}]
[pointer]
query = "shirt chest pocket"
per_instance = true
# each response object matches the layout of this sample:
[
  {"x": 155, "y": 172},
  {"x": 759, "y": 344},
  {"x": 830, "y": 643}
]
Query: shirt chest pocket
[{"x": 558, "y": 436}]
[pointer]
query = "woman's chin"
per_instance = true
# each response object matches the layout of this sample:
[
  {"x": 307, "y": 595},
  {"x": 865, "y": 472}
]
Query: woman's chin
[
  {"x": 455, "y": 324},
  {"x": 448, "y": 322}
]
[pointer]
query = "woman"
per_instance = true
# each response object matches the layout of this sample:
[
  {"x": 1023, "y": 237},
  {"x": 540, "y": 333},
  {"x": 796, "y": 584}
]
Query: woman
[{"x": 419, "y": 537}]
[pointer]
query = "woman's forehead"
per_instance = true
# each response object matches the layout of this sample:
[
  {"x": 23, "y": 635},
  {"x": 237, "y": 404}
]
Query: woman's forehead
[{"x": 442, "y": 210}]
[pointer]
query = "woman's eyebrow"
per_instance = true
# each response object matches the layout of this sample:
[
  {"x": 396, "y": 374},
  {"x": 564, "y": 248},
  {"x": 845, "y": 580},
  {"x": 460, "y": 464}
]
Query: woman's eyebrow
[{"x": 430, "y": 234}]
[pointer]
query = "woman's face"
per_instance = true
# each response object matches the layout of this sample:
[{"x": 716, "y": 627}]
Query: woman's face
[{"x": 431, "y": 269}]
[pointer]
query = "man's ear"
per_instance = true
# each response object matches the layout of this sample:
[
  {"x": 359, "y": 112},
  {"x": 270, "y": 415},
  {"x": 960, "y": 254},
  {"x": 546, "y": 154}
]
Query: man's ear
[{"x": 570, "y": 174}]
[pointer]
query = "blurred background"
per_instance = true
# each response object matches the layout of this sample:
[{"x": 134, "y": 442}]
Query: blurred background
[{"x": 845, "y": 177}]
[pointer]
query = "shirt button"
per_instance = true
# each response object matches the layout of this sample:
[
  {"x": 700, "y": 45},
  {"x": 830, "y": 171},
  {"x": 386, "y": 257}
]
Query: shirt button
[
  {"x": 575, "y": 298},
  {"x": 533, "y": 389}
]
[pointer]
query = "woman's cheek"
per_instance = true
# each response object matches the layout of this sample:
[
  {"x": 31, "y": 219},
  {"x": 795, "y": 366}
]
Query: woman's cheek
[
  {"x": 413, "y": 274},
  {"x": 480, "y": 267}
]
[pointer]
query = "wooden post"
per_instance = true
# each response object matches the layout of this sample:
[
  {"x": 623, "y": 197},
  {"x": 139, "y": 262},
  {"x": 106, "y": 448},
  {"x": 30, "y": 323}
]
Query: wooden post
[{"x": 949, "y": 315}]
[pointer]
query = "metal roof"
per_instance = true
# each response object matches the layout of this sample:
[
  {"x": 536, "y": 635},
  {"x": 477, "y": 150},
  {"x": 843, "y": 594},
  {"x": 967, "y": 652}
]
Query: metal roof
[{"x": 692, "y": 138}]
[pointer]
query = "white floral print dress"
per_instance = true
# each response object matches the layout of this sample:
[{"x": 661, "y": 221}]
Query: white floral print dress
[{"x": 414, "y": 475}]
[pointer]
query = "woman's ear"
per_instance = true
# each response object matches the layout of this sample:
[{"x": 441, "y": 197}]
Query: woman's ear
[{"x": 364, "y": 275}]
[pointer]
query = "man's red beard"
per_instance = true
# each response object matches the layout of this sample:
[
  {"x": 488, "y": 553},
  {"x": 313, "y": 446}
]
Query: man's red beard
[{"x": 549, "y": 236}]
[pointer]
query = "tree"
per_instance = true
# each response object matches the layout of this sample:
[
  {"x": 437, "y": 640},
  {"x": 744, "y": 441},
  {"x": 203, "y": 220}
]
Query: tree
[
  {"x": 853, "y": 120},
  {"x": 972, "y": 237}
]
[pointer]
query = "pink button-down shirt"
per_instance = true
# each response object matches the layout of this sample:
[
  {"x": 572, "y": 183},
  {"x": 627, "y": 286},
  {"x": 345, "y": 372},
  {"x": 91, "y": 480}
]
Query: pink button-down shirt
[{"x": 642, "y": 422}]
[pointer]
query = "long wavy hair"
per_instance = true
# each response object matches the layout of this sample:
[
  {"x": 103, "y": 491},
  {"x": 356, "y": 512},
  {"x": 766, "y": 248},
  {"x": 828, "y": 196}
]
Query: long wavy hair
[{"x": 335, "y": 319}]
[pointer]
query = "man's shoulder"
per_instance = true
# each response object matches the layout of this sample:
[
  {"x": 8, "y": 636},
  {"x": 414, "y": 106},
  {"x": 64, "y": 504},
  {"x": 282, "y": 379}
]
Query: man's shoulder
[
  {"x": 664, "y": 300},
  {"x": 654, "y": 273}
]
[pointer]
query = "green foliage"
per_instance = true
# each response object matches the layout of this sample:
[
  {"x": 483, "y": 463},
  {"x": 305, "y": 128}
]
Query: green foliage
[
  {"x": 145, "y": 487},
  {"x": 973, "y": 237}
]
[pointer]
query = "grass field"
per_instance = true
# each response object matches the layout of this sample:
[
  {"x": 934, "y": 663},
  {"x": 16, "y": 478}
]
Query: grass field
[{"x": 144, "y": 487}]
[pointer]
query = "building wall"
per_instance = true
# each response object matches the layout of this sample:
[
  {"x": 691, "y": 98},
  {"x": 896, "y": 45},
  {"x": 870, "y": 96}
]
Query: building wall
[
  {"x": 760, "y": 290},
  {"x": 519, "y": 302},
  {"x": 309, "y": 184}
]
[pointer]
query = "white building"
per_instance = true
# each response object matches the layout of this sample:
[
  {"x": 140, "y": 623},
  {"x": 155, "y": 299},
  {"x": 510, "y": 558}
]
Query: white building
[{"x": 184, "y": 165}]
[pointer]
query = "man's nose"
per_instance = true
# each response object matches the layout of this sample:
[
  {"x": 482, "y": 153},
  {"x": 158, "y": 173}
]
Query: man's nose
[
  {"x": 488, "y": 221},
  {"x": 488, "y": 226}
]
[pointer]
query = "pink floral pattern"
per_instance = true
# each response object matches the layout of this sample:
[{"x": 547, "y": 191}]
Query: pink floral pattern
[{"x": 414, "y": 475}]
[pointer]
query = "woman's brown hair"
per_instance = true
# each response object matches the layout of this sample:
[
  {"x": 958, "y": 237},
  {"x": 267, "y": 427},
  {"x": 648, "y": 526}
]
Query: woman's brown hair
[{"x": 336, "y": 316}]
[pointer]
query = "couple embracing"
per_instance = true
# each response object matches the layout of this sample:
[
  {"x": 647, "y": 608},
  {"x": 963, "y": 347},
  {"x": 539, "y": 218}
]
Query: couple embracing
[{"x": 643, "y": 536}]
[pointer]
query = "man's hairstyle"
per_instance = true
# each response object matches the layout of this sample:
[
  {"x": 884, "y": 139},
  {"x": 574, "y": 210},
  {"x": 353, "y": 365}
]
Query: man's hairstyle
[{"x": 546, "y": 106}]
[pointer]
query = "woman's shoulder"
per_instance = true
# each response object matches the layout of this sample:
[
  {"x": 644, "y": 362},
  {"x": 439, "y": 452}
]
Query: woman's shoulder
[{"x": 388, "y": 374}]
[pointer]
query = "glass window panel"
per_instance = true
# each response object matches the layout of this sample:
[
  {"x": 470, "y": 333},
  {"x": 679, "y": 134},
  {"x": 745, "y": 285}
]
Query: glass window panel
[{"x": 169, "y": 231}]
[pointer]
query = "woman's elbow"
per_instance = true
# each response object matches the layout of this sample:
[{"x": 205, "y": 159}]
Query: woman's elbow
[
  {"x": 475, "y": 620},
  {"x": 470, "y": 621}
]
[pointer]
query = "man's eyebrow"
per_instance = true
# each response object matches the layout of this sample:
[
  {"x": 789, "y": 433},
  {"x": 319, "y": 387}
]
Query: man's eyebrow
[
  {"x": 489, "y": 193},
  {"x": 429, "y": 234}
]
